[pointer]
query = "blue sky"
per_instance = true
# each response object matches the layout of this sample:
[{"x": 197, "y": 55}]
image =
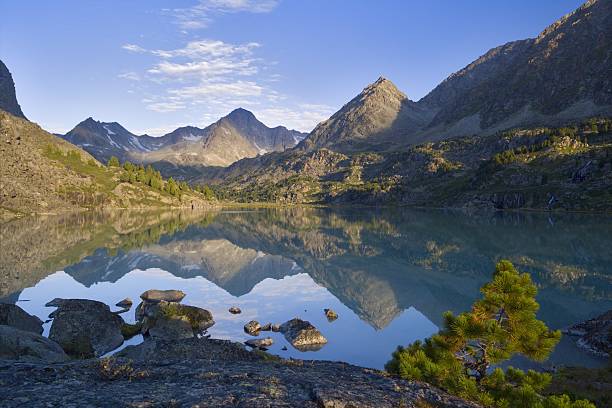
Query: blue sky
[{"x": 155, "y": 65}]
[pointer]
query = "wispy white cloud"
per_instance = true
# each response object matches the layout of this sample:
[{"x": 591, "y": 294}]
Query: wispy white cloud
[
  {"x": 130, "y": 76},
  {"x": 203, "y": 13},
  {"x": 212, "y": 77},
  {"x": 133, "y": 48}
]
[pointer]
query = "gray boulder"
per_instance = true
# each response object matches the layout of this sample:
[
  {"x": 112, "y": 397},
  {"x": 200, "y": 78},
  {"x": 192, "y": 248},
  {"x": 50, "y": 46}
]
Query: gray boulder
[
  {"x": 302, "y": 335},
  {"x": 22, "y": 345},
  {"x": 155, "y": 296},
  {"x": 85, "y": 328},
  {"x": 14, "y": 316},
  {"x": 262, "y": 344},
  {"x": 170, "y": 320}
]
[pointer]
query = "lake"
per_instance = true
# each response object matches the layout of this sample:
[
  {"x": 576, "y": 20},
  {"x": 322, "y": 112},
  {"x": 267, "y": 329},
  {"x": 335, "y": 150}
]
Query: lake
[{"x": 388, "y": 273}]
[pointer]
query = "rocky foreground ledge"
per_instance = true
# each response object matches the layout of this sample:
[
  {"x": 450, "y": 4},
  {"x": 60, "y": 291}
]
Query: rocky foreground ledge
[{"x": 204, "y": 372}]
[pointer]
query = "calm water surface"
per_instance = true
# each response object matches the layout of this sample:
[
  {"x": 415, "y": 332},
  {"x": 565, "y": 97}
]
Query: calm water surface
[{"x": 390, "y": 274}]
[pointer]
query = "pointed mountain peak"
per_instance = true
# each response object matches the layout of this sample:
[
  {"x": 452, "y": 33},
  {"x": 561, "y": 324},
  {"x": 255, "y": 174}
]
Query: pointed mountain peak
[
  {"x": 241, "y": 114},
  {"x": 383, "y": 86}
]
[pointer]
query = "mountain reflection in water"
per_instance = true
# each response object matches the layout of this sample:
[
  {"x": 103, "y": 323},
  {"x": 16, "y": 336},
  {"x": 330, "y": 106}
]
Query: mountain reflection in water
[{"x": 390, "y": 274}]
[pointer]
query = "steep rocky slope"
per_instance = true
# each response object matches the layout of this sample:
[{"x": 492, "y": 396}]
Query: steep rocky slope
[
  {"x": 541, "y": 168},
  {"x": 8, "y": 98},
  {"x": 563, "y": 74},
  {"x": 40, "y": 172},
  {"x": 381, "y": 115}
]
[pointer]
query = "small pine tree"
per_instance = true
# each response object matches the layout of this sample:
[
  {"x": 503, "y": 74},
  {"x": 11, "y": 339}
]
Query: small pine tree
[
  {"x": 113, "y": 162},
  {"x": 500, "y": 324}
]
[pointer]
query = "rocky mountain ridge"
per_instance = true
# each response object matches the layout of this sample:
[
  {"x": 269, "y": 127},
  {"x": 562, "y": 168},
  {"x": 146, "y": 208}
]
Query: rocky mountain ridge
[{"x": 233, "y": 137}]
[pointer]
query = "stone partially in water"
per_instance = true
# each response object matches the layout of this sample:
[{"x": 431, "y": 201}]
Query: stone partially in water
[
  {"x": 125, "y": 303},
  {"x": 14, "y": 316},
  {"x": 260, "y": 343},
  {"x": 266, "y": 327},
  {"x": 85, "y": 328},
  {"x": 170, "y": 320},
  {"x": 302, "y": 335},
  {"x": 235, "y": 310},
  {"x": 24, "y": 345},
  {"x": 155, "y": 296},
  {"x": 330, "y": 314},
  {"x": 253, "y": 327}
]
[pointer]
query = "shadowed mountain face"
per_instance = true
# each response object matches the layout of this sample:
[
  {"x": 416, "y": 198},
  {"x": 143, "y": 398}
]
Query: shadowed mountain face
[
  {"x": 562, "y": 75},
  {"x": 377, "y": 263},
  {"x": 8, "y": 98},
  {"x": 233, "y": 137}
]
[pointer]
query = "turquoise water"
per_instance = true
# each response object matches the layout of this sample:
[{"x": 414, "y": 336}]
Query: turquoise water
[{"x": 389, "y": 274}]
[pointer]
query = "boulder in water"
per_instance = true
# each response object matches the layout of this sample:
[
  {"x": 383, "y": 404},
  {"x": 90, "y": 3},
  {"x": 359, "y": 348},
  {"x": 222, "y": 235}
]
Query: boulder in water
[
  {"x": 253, "y": 327},
  {"x": 85, "y": 328},
  {"x": 302, "y": 335},
  {"x": 155, "y": 296}
]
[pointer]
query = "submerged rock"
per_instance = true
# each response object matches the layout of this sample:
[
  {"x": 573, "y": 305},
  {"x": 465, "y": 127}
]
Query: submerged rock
[
  {"x": 170, "y": 320},
  {"x": 85, "y": 328},
  {"x": 235, "y": 310},
  {"x": 25, "y": 345},
  {"x": 330, "y": 314},
  {"x": 260, "y": 343},
  {"x": 125, "y": 303},
  {"x": 155, "y": 296},
  {"x": 302, "y": 335},
  {"x": 14, "y": 316},
  {"x": 253, "y": 327},
  {"x": 595, "y": 334}
]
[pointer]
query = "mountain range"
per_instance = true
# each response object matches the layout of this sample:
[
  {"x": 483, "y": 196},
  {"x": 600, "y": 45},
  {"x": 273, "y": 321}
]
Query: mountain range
[
  {"x": 509, "y": 130},
  {"x": 233, "y": 137}
]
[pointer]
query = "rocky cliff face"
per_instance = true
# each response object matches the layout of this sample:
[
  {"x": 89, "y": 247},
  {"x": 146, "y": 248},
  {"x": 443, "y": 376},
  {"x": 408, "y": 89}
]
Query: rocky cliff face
[
  {"x": 8, "y": 98},
  {"x": 563, "y": 74}
]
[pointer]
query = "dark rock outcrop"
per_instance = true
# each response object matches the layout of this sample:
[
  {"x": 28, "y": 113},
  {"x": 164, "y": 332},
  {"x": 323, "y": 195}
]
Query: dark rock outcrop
[
  {"x": 85, "y": 328},
  {"x": 595, "y": 334},
  {"x": 8, "y": 97},
  {"x": 24, "y": 345},
  {"x": 171, "y": 320},
  {"x": 14, "y": 316}
]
